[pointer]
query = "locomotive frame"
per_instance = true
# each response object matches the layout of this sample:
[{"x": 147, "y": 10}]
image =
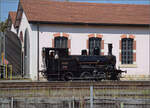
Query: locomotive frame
[{"x": 59, "y": 65}]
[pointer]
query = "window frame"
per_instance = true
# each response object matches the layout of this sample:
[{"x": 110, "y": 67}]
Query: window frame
[
  {"x": 96, "y": 43},
  {"x": 127, "y": 51},
  {"x": 60, "y": 42}
]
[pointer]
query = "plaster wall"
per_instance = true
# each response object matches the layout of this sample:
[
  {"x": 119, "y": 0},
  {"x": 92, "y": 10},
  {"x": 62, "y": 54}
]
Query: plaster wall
[
  {"x": 24, "y": 25},
  {"x": 79, "y": 35},
  {"x": 13, "y": 29}
]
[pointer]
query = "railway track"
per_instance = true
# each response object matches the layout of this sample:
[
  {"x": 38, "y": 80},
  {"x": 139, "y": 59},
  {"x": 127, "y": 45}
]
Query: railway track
[
  {"x": 78, "y": 84},
  {"x": 108, "y": 89}
]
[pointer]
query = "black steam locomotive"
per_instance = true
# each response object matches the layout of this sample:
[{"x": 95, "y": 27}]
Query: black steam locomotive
[{"x": 58, "y": 65}]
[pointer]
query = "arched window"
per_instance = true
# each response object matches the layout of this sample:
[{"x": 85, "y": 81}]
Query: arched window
[
  {"x": 25, "y": 43},
  {"x": 94, "y": 42},
  {"x": 26, "y": 53},
  {"x": 61, "y": 42},
  {"x": 21, "y": 36},
  {"x": 127, "y": 51}
]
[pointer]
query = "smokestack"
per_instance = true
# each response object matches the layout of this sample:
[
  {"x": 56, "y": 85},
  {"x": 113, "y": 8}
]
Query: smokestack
[{"x": 110, "y": 49}]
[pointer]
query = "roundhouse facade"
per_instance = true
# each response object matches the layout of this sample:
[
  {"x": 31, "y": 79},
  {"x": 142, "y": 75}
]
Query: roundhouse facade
[{"x": 79, "y": 26}]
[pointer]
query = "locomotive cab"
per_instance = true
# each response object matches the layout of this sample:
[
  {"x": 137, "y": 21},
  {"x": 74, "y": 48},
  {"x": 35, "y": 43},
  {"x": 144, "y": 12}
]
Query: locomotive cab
[
  {"x": 51, "y": 59},
  {"x": 59, "y": 65}
]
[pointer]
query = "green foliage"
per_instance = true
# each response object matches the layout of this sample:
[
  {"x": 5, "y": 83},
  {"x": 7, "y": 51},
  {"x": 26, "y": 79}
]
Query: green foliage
[{"x": 3, "y": 26}]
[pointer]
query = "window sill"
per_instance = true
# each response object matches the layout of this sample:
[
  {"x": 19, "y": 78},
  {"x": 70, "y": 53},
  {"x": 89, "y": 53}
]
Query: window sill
[{"x": 128, "y": 66}]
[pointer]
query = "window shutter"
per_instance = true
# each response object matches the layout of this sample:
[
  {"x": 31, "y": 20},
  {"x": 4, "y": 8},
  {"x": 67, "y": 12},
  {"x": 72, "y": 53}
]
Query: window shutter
[
  {"x": 102, "y": 47},
  {"x": 69, "y": 43},
  {"x": 120, "y": 56},
  {"x": 134, "y": 45},
  {"x": 134, "y": 48},
  {"x": 87, "y": 44},
  {"x": 134, "y": 57},
  {"x": 52, "y": 43},
  {"x": 102, "y": 44}
]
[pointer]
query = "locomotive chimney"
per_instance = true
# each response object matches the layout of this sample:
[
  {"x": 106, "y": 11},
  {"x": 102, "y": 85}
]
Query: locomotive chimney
[{"x": 109, "y": 49}]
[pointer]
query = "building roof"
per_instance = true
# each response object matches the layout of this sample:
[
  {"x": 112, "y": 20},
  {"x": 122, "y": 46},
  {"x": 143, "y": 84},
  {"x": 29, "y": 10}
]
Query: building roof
[
  {"x": 46, "y": 11},
  {"x": 13, "y": 16}
]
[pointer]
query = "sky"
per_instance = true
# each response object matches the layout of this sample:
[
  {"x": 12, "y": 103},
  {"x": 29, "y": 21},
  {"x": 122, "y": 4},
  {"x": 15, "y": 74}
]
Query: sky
[
  {"x": 6, "y": 6},
  {"x": 11, "y": 5}
]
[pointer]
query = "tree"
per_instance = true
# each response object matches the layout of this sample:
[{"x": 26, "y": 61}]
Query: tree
[{"x": 3, "y": 26}]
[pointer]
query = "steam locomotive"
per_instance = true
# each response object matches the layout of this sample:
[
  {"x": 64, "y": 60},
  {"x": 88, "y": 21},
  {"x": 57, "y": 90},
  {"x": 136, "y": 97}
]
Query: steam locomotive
[{"x": 59, "y": 65}]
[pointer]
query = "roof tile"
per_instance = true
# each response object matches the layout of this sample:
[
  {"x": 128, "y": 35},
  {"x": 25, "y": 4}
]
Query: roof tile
[
  {"x": 89, "y": 13},
  {"x": 13, "y": 16}
]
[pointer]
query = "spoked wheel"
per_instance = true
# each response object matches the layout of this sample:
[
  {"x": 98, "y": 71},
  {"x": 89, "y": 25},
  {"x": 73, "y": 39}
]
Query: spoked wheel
[
  {"x": 85, "y": 75},
  {"x": 115, "y": 77},
  {"x": 100, "y": 76},
  {"x": 67, "y": 76},
  {"x": 118, "y": 77}
]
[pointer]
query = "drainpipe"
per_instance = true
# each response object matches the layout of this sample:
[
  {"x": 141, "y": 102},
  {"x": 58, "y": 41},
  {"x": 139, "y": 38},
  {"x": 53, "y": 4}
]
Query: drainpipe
[
  {"x": 149, "y": 46},
  {"x": 37, "y": 51},
  {"x": 4, "y": 54},
  {"x": 149, "y": 52}
]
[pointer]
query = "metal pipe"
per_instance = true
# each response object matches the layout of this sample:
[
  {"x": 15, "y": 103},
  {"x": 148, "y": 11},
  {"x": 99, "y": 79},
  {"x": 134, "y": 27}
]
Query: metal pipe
[
  {"x": 69, "y": 104},
  {"x": 149, "y": 45},
  {"x": 10, "y": 72},
  {"x": 22, "y": 73},
  {"x": 6, "y": 71},
  {"x": 12, "y": 102},
  {"x": 73, "y": 102},
  {"x": 0, "y": 47},
  {"x": 91, "y": 96},
  {"x": 4, "y": 54},
  {"x": 37, "y": 51}
]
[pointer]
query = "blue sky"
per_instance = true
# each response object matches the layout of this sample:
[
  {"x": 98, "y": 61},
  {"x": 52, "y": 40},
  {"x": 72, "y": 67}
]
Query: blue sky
[
  {"x": 11, "y": 5},
  {"x": 6, "y": 6}
]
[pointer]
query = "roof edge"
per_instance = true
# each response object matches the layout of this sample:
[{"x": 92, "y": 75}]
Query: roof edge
[{"x": 97, "y": 24}]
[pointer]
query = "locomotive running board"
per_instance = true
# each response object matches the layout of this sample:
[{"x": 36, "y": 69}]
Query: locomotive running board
[{"x": 88, "y": 78}]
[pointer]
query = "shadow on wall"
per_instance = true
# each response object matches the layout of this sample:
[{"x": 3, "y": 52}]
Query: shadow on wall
[{"x": 91, "y": 29}]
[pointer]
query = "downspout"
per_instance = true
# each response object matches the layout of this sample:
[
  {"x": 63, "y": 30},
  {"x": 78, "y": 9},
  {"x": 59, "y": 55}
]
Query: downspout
[
  {"x": 149, "y": 45},
  {"x": 37, "y": 51},
  {"x": 149, "y": 50}
]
